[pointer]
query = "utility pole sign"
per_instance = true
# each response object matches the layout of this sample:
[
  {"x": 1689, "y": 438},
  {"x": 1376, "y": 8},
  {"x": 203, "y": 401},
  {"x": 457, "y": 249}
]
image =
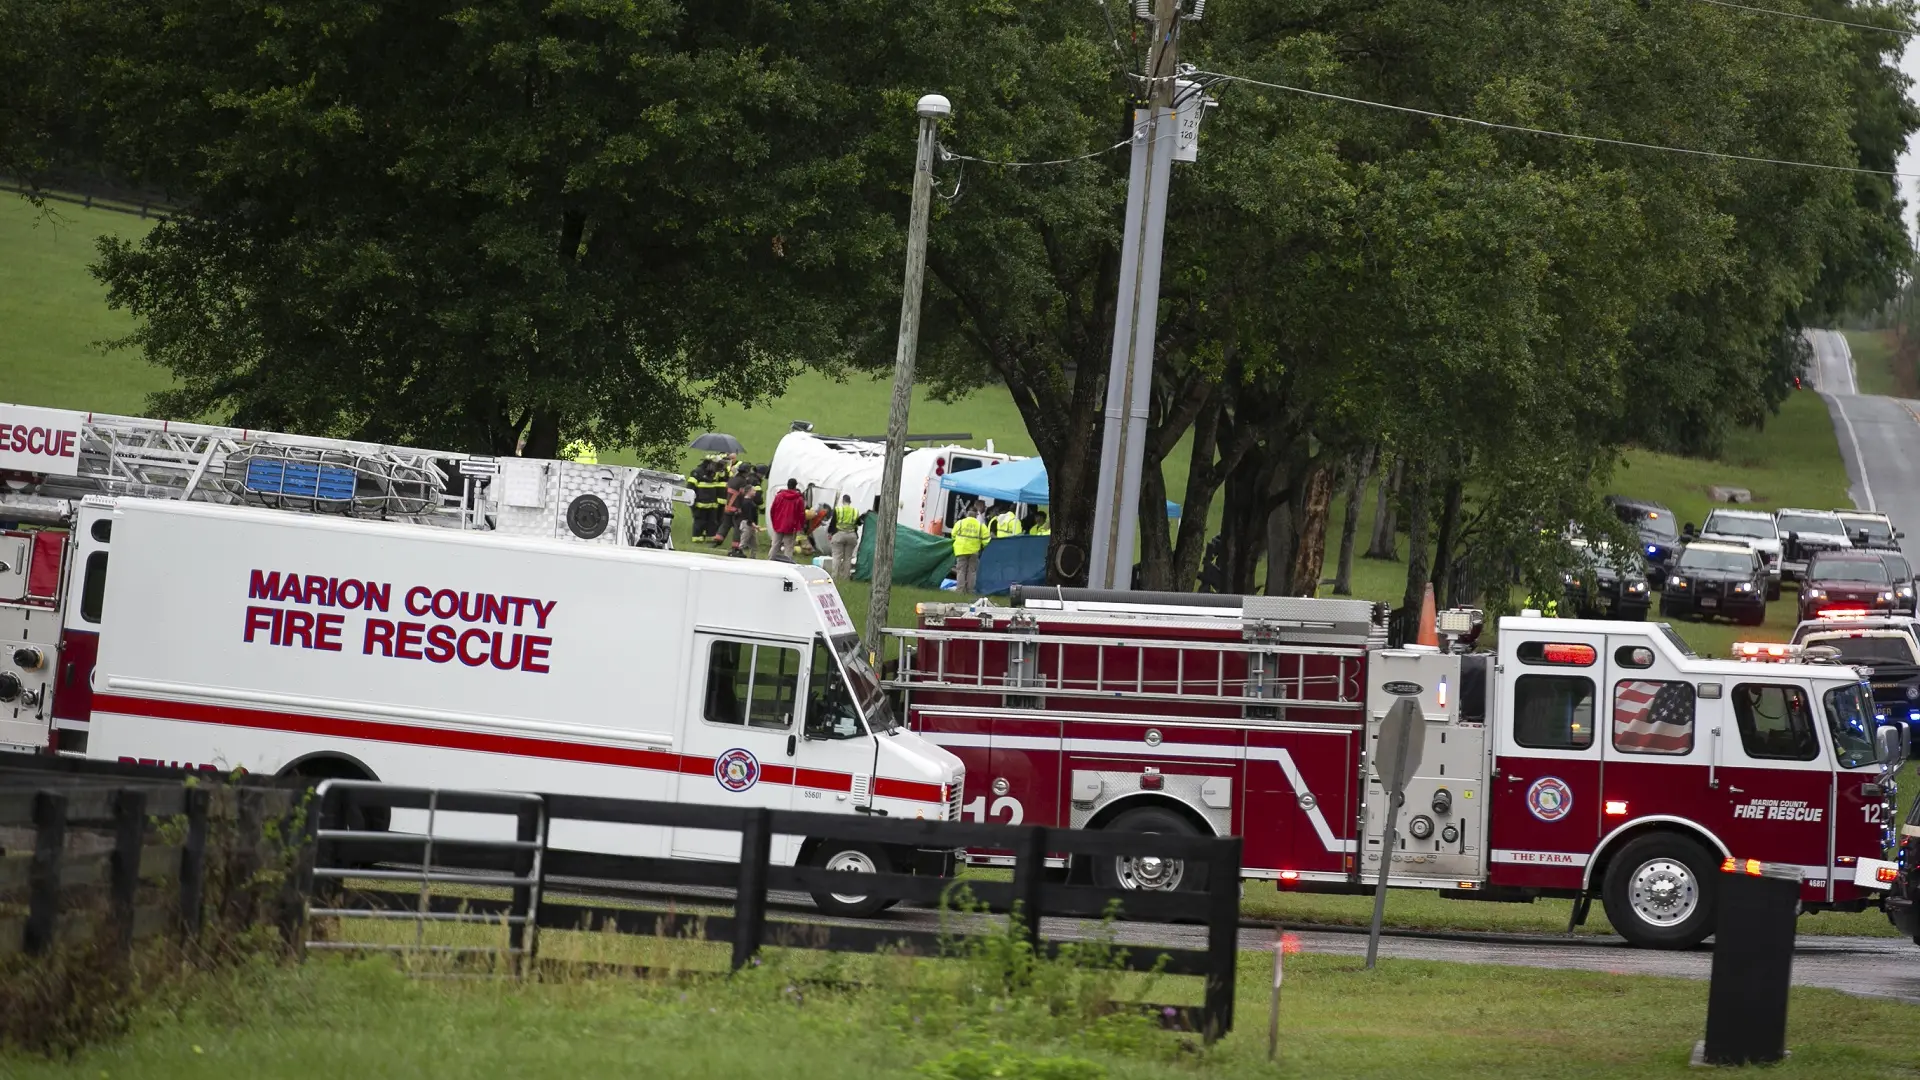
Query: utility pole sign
[{"x": 1123, "y": 442}]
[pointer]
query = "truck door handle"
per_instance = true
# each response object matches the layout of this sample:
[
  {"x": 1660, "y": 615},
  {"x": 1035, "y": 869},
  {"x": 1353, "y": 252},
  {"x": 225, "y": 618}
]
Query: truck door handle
[
  {"x": 1515, "y": 779},
  {"x": 791, "y": 743},
  {"x": 1735, "y": 790}
]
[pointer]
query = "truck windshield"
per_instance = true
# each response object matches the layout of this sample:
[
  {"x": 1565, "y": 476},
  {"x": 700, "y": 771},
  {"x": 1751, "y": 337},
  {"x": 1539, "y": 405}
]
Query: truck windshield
[
  {"x": 1807, "y": 523},
  {"x": 1877, "y": 529},
  {"x": 1874, "y": 572},
  {"x": 1892, "y": 648},
  {"x": 859, "y": 685},
  {"x": 1850, "y": 718},
  {"x": 1757, "y": 528},
  {"x": 1737, "y": 562}
]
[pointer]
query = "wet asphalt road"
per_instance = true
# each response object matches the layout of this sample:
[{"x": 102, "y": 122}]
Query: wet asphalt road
[
  {"x": 1879, "y": 438},
  {"x": 1863, "y": 966}
]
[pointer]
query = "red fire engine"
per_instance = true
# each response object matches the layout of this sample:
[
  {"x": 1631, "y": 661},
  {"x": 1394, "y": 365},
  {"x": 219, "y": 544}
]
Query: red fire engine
[{"x": 1580, "y": 759}]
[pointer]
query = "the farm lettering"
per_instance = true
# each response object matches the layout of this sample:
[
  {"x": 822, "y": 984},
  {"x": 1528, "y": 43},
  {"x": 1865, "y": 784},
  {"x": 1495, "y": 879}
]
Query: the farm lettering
[
  {"x": 453, "y": 625},
  {"x": 1779, "y": 810}
]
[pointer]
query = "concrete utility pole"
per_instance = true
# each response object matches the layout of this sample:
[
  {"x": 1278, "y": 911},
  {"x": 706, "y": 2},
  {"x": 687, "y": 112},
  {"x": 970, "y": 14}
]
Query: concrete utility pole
[
  {"x": 930, "y": 109},
  {"x": 1123, "y": 442}
]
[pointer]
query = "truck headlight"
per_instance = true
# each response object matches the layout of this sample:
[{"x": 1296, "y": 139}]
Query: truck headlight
[
  {"x": 1744, "y": 586},
  {"x": 1637, "y": 587},
  {"x": 1676, "y": 583},
  {"x": 1815, "y": 594},
  {"x": 1886, "y": 596}
]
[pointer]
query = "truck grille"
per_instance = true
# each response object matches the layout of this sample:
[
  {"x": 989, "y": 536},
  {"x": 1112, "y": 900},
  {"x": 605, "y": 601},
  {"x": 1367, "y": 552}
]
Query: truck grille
[{"x": 953, "y": 798}]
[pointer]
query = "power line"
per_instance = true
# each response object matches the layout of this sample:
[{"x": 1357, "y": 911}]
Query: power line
[
  {"x": 1811, "y": 18},
  {"x": 1600, "y": 139},
  {"x": 948, "y": 155}
]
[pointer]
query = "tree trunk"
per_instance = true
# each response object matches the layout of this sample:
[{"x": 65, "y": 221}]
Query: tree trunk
[
  {"x": 1202, "y": 481},
  {"x": 1419, "y": 487},
  {"x": 1280, "y": 546},
  {"x": 1386, "y": 535},
  {"x": 1444, "y": 554},
  {"x": 1350, "y": 526},
  {"x": 1156, "y": 531},
  {"x": 1310, "y": 550},
  {"x": 543, "y": 437}
]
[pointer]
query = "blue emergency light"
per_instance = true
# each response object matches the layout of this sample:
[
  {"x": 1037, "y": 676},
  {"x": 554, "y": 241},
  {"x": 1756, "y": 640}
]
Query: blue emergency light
[{"x": 301, "y": 479}]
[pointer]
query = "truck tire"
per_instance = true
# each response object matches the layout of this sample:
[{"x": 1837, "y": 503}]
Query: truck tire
[
  {"x": 1659, "y": 892},
  {"x": 851, "y": 857},
  {"x": 1773, "y": 590},
  {"x": 1148, "y": 872}
]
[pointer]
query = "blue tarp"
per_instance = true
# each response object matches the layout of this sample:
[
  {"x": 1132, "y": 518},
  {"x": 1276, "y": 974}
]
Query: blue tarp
[
  {"x": 1023, "y": 481},
  {"x": 1015, "y": 560}
]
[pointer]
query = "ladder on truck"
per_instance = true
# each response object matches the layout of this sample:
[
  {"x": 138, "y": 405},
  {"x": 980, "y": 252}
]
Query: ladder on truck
[
  {"x": 1294, "y": 652},
  {"x": 136, "y": 457}
]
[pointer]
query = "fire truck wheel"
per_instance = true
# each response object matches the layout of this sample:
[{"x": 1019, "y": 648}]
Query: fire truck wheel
[
  {"x": 1150, "y": 872},
  {"x": 852, "y": 858},
  {"x": 1659, "y": 892}
]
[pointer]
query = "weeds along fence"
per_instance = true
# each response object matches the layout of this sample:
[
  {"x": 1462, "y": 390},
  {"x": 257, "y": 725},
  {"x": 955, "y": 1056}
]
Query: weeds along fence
[
  {"x": 501, "y": 845},
  {"x": 99, "y": 853}
]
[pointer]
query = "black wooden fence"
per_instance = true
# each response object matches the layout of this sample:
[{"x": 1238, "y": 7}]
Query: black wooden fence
[
  {"x": 98, "y": 849},
  {"x": 527, "y": 864}
]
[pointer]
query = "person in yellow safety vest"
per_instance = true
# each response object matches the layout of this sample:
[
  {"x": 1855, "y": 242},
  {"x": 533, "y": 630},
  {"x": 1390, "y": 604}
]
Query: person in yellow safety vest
[
  {"x": 843, "y": 537},
  {"x": 1041, "y": 526},
  {"x": 1006, "y": 524},
  {"x": 970, "y": 536},
  {"x": 581, "y": 452}
]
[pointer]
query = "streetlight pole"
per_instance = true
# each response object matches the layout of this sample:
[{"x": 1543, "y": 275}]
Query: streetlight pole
[{"x": 930, "y": 109}]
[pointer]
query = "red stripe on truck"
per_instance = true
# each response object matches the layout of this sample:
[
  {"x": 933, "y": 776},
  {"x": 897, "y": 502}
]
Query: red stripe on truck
[{"x": 489, "y": 743}]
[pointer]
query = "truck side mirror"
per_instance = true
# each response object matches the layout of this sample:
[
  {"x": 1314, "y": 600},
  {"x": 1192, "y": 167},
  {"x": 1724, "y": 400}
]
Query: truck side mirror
[
  {"x": 1889, "y": 743},
  {"x": 1688, "y": 530}
]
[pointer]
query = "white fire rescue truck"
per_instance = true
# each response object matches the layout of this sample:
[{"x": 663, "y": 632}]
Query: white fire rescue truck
[
  {"x": 184, "y": 617},
  {"x": 1581, "y": 759}
]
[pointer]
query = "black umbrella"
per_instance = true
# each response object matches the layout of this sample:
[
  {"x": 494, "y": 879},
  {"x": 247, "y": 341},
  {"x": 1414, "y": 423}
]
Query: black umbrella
[{"x": 717, "y": 443}]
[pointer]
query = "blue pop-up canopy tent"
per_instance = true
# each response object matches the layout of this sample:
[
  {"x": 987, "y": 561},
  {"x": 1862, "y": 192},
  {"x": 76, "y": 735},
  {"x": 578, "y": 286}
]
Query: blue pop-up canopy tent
[{"x": 1023, "y": 481}]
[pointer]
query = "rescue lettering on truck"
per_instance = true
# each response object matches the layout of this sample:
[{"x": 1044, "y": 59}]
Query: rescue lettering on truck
[
  {"x": 1583, "y": 759},
  {"x": 438, "y": 642}
]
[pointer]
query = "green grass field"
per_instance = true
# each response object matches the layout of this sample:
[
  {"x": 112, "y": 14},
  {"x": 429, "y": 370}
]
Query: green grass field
[
  {"x": 363, "y": 1019},
  {"x": 1876, "y": 366},
  {"x": 53, "y": 315}
]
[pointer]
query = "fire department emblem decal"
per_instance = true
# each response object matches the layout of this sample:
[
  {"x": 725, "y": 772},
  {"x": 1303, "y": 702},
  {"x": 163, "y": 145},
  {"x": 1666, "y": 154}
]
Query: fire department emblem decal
[
  {"x": 737, "y": 770},
  {"x": 1549, "y": 798}
]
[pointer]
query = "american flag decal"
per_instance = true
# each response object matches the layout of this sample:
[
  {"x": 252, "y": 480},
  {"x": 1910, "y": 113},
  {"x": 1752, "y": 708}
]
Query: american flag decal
[{"x": 1653, "y": 717}]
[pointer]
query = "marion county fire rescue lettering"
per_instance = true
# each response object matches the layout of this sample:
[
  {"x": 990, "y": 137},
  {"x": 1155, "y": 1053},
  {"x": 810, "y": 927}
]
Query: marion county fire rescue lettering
[{"x": 438, "y": 642}]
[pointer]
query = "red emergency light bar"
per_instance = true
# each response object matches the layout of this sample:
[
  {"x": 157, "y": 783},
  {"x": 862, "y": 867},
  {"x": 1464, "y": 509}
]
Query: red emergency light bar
[
  {"x": 1843, "y": 613},
  {"x": 1764, "y": 650},
  {"x": 1576, "y": 655}
]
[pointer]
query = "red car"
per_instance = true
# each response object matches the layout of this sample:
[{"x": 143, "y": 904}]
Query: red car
[{"x": 1847, "y": 580}]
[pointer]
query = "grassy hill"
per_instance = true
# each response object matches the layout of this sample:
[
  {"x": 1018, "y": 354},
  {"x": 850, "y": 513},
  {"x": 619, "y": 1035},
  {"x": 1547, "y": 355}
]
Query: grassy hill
[{"x": 53, "y": 317}]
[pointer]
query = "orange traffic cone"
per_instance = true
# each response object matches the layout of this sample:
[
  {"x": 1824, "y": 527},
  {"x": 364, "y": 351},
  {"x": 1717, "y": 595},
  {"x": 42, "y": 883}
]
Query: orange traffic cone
[{"x": 1428, "y": 634}]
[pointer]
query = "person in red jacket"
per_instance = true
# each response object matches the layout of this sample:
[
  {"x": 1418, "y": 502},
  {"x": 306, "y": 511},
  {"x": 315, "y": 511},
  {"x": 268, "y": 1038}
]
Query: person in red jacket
[{"x": 787, "y": 517}]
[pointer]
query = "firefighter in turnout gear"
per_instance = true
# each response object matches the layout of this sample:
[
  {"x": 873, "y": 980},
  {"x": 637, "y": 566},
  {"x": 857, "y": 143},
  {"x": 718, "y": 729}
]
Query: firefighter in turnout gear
[
  {"x": 709, "y": 488},
  {"x": 970, "y": 537}
]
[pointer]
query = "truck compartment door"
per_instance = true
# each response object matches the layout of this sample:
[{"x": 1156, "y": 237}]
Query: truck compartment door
[{"x": 1440, "y": 826}]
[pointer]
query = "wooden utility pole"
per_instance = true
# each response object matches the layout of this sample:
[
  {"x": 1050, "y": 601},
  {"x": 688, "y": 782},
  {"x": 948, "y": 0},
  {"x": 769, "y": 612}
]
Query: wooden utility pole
[
  {"x": 1130, "y": 372},
  {"x": 887, "y": 517}
]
